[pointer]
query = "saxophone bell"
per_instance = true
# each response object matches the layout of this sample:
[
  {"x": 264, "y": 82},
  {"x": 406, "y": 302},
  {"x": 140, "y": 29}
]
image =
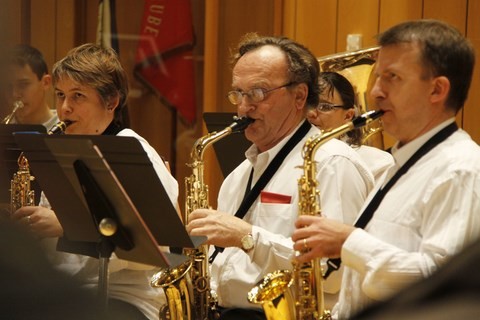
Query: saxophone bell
[{"x": 16, "y": 105}]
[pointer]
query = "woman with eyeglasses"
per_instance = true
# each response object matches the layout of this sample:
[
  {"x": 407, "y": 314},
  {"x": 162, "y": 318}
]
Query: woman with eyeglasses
[{"x": 337, "y": 107}]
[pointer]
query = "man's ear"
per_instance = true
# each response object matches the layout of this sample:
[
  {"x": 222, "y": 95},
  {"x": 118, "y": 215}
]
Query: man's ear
[
  {"x": 301, "y": 93},
  {"x": 440, "y": 89},
  {"x": 46, "y": 80}
]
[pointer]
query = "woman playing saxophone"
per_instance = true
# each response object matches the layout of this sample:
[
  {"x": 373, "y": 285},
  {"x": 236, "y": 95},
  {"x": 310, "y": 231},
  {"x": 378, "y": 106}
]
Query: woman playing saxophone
[{"x": 90, "y": 91}]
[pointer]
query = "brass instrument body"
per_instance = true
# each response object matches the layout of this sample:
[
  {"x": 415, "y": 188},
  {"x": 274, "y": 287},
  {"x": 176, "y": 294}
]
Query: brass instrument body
[
  {"x": 21, "y": 193},
  {"x": 188, "y": 287},
  {"x": 20, "y": 186},
  {"x": 357, "y": 67},
  {"x": 302, "y": 298}
]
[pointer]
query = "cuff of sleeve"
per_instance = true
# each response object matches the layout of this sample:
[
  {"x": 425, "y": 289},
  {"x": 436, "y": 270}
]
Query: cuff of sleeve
[
  {"x": 255, "y": 236},
  {"x": 353, "y": 253}
]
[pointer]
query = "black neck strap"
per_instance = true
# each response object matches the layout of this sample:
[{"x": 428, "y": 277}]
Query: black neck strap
[
  {"x": 252, "y": 195},
  {"x": 367, "y": 214}
]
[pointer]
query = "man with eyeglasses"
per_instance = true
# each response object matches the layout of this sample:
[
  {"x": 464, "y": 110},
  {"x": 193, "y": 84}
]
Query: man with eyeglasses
[
  {"x": 274, "y": 79},
  {"x": 337, "y": 107}
]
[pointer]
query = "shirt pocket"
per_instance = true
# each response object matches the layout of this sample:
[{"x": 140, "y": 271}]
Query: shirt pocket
[{"x": 277, "y": 217}]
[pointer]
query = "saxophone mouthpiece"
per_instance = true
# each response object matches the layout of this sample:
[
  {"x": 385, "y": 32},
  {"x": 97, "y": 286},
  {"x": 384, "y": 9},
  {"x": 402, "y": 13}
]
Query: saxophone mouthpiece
[
  {"x": 60, "y": 127},
  {"x": 240, "y": 123},
  {"x": 366, "y": 118},
  {"x": 18, "y": 105}
]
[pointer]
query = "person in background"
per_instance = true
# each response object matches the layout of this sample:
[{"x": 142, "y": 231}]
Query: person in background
[
  {"x": 424, "y": 210},
  {"x": 90, "y": 91},
  {"x": 27, "y": 81},
  {"x": 274, "y": 80},
  {"x": 337, "y": 107}
]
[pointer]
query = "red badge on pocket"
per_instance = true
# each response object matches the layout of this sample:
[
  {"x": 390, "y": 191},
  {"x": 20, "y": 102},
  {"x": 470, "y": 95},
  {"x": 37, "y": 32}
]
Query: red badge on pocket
[{"x": 269, "y": 197}]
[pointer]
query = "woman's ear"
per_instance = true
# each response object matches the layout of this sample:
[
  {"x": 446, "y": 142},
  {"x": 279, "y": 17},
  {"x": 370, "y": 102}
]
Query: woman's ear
[
  {"x": 113, "y": 103},
  {"x": 349, "y": 114}
]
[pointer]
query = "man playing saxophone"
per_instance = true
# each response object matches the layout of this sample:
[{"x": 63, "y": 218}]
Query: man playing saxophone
[
  {"x": 274, "y": 79},
  {"x": 425, "y": 208},
  {"x": 91, "y": 89}
]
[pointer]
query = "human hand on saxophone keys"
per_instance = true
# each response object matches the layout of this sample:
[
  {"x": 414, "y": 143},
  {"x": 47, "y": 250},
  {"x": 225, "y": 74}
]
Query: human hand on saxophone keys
[
  {"x": 319, "y": 237},
  {"x": 222, "y": 229},
  {"x": 40, "y": 221}
]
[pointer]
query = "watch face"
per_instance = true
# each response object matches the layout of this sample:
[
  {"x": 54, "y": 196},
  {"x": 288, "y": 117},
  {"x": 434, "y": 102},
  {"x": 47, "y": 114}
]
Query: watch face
[{"x": 247, "y": 242}]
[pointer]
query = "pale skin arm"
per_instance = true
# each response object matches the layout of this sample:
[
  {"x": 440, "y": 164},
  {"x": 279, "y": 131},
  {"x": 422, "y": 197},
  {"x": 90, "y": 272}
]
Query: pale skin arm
[
  {"x": 324, "y": 237},
  {"x": 222, "y": 229},
  {"x": 42, "y": 222}
]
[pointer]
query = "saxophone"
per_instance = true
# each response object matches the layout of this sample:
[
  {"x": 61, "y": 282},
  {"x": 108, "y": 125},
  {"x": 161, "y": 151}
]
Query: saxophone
[
  {"x": 298, "y": 294},
  {"x": 20, "y": 186},
  {"x": 187, "y": 287},
  {"x": 16, "y": 105}
]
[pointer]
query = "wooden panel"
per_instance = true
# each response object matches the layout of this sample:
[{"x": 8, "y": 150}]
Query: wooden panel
[
  {"x": 396, "y": 11},
  {"x": 471, "y": 119},
  {"x": 289, "y": 18},
  {"x": 42, "y": 34},
  {"x": 65, "y": 27},
  {"x": 357, "y": 17},
  {"x": 316, "y": 25},
  {"x": 43, "y": 28},
  {"x": 11, "y": 22},
  {"x": 452, "y": 11}
]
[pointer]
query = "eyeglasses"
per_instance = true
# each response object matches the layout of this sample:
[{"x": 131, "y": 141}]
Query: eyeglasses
[
  {"x": 327, "y": 107},
  {"x": 255, "y": 95}
]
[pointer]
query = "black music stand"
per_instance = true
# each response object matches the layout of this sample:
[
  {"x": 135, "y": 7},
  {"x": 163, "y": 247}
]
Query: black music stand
[
  {"x": 10, "y": 153},
  {"x": 230, "y": 151},
  {"x": 101, "y": 193}
]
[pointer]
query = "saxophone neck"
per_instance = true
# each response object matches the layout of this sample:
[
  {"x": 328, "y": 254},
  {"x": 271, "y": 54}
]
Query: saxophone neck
[
  {"x": 315, "y": 142},
  {"x": 204, "y": 142},
  {"x": 238, "y": 125}
]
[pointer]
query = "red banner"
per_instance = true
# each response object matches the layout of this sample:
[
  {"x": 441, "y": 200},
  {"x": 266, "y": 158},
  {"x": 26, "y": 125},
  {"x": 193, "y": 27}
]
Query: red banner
[{"x": 164, "y": 58}]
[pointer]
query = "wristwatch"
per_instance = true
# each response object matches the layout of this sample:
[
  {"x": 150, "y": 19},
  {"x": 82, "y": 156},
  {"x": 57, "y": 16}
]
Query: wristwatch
[{"x": 247, "y": 242}]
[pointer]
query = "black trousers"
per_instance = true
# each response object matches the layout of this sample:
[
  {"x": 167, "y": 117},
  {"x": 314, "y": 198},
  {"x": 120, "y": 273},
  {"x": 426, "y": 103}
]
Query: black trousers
[{"x": 241, "y": 314}]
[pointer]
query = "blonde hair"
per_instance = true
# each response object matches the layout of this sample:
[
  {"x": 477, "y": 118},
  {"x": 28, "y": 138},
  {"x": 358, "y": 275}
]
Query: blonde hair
[{"x": 98, "y": 68}]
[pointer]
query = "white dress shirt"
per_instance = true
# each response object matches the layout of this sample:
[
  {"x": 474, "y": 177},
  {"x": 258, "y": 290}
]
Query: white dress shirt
[
  {"x": 430, "y": 214},
  {"x": 378, "y": 161},
  {"x": 344, "y": 182}
]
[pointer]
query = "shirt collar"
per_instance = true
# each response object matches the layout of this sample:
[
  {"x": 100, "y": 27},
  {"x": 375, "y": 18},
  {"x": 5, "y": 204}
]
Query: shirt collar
[
  {"x": 253, "y": 155},
  {"x": 401, "y": 155}
]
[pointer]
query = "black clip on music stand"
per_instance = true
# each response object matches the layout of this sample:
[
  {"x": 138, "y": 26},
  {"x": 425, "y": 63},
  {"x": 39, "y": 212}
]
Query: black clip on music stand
[{"x": 116, "y": 219}]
